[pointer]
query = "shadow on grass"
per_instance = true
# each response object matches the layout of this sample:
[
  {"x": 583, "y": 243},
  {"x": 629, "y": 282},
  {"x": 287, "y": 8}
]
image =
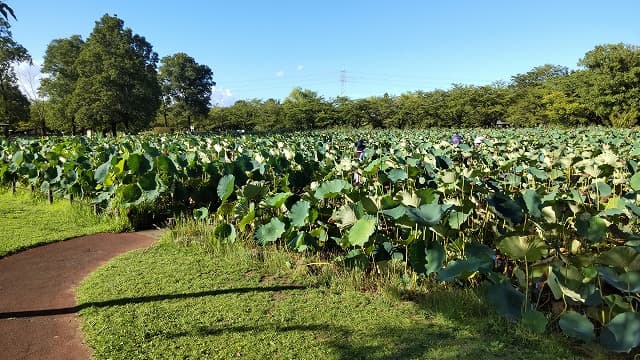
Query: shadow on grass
[
  {"x": 462, "y": 328},
  {"x": 144, "y": 299},
  {"x": 378, "y": 344}
]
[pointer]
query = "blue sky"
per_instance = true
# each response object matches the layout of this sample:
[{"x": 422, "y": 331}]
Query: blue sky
[{"x": 263, "y": 49}]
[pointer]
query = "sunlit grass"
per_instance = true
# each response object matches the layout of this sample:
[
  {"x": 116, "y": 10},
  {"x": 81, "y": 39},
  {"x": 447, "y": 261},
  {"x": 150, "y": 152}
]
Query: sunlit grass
[
  {"x": 27, "y": 221},
  {"x": 241, "y": 301}
]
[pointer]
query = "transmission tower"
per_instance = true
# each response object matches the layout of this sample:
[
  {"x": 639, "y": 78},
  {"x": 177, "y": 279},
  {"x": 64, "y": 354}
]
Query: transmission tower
[{"x": 343, "y": 80}]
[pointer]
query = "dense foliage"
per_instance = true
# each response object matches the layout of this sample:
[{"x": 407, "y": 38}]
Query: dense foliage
[
  {"x": 186, "y": 87},
  {"x": 549, "y": 219},
  {"x": 14, "y": 106},
  {"x": 110, "y": 83},
  {"x": 117, "y": 85}
]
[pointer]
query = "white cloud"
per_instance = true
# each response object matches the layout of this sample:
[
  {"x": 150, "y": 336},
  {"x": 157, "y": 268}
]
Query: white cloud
[
  {"x": 300, "y": 67},
  {"x": 280, "y": 73},
  {"x": 222, "y": 97}
]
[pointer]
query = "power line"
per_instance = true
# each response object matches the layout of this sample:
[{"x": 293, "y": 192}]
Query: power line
[{"x": 343, "y": 79}]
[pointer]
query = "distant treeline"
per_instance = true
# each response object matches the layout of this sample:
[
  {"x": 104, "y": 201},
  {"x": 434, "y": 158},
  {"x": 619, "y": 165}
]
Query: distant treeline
[{"x": 605, "y": 91}]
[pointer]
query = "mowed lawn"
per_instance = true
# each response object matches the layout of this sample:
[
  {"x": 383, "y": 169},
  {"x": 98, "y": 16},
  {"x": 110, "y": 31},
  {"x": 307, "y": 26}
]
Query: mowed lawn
[
  {"x": 27, "y": 221},
  {"x": 183, "y": 302}
]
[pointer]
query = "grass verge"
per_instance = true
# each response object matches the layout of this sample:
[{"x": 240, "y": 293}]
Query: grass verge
[
  {"x": 219, "y": 302},
  {"x": 28, "y": 221}
]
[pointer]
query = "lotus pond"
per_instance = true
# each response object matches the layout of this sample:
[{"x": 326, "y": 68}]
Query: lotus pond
[{"x": 546, "y": 219}]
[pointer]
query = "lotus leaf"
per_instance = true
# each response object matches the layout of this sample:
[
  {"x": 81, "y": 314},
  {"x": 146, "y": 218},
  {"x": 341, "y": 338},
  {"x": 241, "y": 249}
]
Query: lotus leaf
[
  {"x": 533, "y": 202},
  {"x": 457, "y": 218},
  {"x": 506, "y": 300},
  {"x": 247, "y": 218},
  {"x": 395, "y": 213},
  {"x": 622, "y": 333},
  {"x": 361, "y": 231},
  {"x": 299, "y": 213},
  {"x": 101, "y": 172},
  {"x": 396, "y": 175},
  {"x": 577, "y": 326},
  {"x": 130, "y": 193},
  {"x": 435, "y": 255},
  {"x": 534, "y": 321},
  {"x": 408, "y": 198},
  {"x": 603, "y": 189},
  {"x": 461, "y": 269},
  {"x": 344, "y": 217},
  {"x": 626, "y": 282},
  {"x": 270, "y": 232},
  {"x": 634, "y": 181},
  {"x": 225, "y": 187},
  {"x": 429, "y": 214},
  {"x": 297, "y": 242},
  {"x": 201, "y": 213},
  {"x": 165, "y": 165},
  {"x": 331, "y": 189},
  {"x": 277, "y": 200},
  {"x": 356, "y": 259},
  {"x": 623, "y": 258},
  {"x": 507, "y": 207},
  {"x": 255, "y": 192},
  {"x": 529, "y": 248},
  {"x": 593, "y": 228},
  {"x": 369, "y": 205}
]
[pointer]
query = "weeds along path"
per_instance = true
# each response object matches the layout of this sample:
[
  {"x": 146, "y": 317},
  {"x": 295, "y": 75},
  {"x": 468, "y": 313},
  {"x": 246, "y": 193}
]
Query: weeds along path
[{"x": 37, "y": 294}]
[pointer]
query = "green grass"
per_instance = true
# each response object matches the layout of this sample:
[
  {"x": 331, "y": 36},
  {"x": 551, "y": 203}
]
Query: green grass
[
  {"x": 27, "y": 221},
  {"x": 176, "y": 301}
]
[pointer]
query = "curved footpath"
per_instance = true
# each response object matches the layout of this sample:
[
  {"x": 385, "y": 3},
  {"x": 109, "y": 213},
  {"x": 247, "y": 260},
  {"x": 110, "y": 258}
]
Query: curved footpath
[{"x": 37, "y": 294}]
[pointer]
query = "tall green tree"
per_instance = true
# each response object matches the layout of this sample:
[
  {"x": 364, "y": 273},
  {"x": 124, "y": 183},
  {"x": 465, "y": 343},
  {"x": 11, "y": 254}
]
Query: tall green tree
[
  {"x": 117, "y": 87},
  {"x": 613, "y": 80},
  {"x": 60, "y": 83},
  {"x": 527, "y": 106},
  {"x": 13, "y": 104},
  {"x": 186, "y": 86}
]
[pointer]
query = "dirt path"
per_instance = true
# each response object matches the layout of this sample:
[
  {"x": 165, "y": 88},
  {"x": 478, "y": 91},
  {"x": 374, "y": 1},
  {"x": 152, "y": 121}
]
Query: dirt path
[{"x": 37, "y": 294}]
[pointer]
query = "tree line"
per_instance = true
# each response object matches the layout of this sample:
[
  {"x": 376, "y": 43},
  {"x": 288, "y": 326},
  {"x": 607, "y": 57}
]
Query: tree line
[
  {"x": 114, "y": 82},
  {"x": 604, "y": 91}
]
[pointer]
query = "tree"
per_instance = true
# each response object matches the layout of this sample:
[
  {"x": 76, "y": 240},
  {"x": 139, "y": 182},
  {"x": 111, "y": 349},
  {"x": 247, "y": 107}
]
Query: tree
[
  {"x": 269, "y": 115},
  {"x": 613, "y": 80},
  {"x": 527, "y": 94},
  {"x": 186, "y": 86},
  {"x": 59, "y": 86},
  {"x": 348, "y": 112},
  {"x": 381, "y": 109},
  {"x": 13, "y": 104},
  {"x": 242, "y": 115},
  {"x": 117, "y": 85},
  {"x": 304, "y": 109},
  {"x": 563, "y": 103},
  {"x": 5, "y": 10}
]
